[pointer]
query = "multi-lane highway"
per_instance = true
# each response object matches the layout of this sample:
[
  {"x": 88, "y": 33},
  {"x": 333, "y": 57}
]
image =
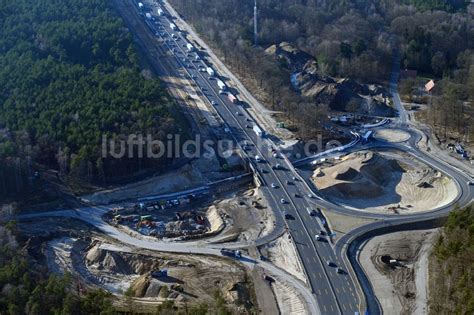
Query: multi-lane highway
[
  {"x": 287, "y": 193},
  {"x": 292, "y": 196}
]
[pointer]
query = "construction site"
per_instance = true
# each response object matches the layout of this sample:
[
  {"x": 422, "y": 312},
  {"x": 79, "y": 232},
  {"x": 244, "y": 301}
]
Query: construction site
[
  {"x": 397, "y": 265},
  {"x": 147, "y": 278},
  {"x": 383, "y": 181}
]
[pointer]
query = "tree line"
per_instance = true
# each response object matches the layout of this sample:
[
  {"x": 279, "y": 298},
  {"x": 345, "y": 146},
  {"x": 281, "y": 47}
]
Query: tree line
[{"x": 452, "y": 265}]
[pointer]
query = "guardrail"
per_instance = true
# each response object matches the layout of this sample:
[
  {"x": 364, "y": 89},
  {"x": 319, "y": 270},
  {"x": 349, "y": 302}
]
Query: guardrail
[
  {"x": 203, "y": 189},
  {"x": 379, "y": 124},
  {"x": 336, "y": 149}
]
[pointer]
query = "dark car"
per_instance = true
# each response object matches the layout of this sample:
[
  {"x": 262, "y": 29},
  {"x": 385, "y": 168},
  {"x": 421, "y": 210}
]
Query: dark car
[
  {"x": 330, "y": 263},
  {"x": 268, "y": 278}
]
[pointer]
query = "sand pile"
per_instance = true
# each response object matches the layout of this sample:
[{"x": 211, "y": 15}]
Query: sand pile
[
  {"x": 106, "y": 260},
  {"x": 366, "y": 175},
  {"x": 384, "y": 181},
  {"x": 215, "y": 219},
  {"x": 146, "y": 286}
]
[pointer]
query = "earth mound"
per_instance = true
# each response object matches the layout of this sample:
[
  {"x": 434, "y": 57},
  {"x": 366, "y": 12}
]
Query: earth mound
[
  {"x": 384, "y": 182},
  {"x": 340, "y": 94}
]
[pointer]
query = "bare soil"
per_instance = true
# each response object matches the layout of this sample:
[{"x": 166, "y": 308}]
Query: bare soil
[
  {"x": 390, "y": 182},
  {"x": 392, "y": 135},
  {"x": 118, "y": 269},
  {"x": 189, "y": 176},
  {"x": 247, "y": 217},
  {"x": 282, "y": 253},
  {"x": 400, "y": 287}
]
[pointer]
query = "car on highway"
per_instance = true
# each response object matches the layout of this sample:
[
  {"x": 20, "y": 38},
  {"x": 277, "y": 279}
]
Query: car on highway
[
  {"x": 322, "y": 232},
  {"x": 248, "y": 126},
  {"x": 274, "y": 185},
  {"x": 214, "y": 103},
  {"x": 296, "y": 195},
  {"x": 330, "y": 263},
  {"x": 288, "y": 182},
  {"x": 339, "y": 270},
  {"x": 318, "y": 237},
  {"x": 470, "y": 183},
  {"x": 283, "y": 201},
  {"x": 310, "y": 196},
  {"x": 277, "y": 166},
  {"x": 289, "y": 216}
]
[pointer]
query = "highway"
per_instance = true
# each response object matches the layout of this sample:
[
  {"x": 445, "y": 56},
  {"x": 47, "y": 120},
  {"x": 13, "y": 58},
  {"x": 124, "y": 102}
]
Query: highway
[
  {"x": 289, "y": 192},
  {"x": 335, "y": 292}
]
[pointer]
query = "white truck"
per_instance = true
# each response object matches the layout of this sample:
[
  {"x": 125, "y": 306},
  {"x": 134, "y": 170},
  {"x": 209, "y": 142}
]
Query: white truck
[
  {"x": 232, "y": 98},
  {"x": 140, "y": 5},
  {"x": 189, "y": 47},
  {"x": 160, "y": 12},
  {"x": 210, "y": 71},
  {"x": 173, "y": 27},
  {"x": 221, "y": 85},
  {"x": 258, "y": 131}
]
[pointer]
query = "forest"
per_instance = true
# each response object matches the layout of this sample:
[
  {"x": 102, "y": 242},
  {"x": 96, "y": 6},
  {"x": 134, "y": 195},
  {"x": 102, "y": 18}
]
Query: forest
[
  {"x": 69, "y": 74},
  {"x": 350, "y": 39},
  {"x": 451, "y": 266},
  {"x": 28, "y": 290}
]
